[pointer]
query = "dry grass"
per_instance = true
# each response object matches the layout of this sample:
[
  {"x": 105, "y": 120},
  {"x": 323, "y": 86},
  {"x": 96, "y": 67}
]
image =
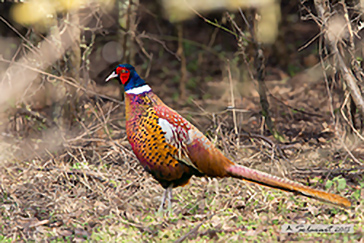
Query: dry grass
[{"x": 87, "y": 185}]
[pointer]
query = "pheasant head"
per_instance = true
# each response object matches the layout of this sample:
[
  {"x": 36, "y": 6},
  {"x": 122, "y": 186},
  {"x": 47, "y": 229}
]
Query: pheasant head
[{"x": 126, "y": 75}]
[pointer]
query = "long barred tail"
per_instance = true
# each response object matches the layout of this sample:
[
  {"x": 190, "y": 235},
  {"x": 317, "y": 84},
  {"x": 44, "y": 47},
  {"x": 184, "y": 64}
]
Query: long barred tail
[{"x": 265, "y": 179}]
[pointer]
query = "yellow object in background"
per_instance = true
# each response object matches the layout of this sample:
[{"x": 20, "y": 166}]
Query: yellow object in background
[{"x": 269, "y": 10}]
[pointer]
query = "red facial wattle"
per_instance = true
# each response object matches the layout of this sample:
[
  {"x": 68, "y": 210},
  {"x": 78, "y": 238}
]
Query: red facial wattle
[
  {"x": 124, "y": 77},
  {"x": 124, "y": 74}
]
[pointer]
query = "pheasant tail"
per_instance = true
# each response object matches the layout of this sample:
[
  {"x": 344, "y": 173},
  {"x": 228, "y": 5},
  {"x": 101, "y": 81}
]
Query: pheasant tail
[{"x": 265, "y": 179}]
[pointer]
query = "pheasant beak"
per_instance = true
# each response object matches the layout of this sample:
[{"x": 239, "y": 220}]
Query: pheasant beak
[{"x": 111, "y": 76}]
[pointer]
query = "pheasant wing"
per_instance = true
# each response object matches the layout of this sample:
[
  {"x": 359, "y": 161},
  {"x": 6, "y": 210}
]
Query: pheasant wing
[{"x": 176, "y": 132}]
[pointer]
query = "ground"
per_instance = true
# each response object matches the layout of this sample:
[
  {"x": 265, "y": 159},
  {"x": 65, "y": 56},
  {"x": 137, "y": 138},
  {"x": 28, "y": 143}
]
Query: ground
[{"x": 93, "y": 187}]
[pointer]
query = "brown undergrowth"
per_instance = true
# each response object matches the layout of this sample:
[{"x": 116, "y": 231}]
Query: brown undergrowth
[{"x": 84, "y": 183}]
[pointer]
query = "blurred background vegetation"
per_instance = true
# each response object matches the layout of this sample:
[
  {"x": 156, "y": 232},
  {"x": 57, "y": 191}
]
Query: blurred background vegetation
[
  {"x": 189, "y": 51},
  {"x": 277, "y": 75}
]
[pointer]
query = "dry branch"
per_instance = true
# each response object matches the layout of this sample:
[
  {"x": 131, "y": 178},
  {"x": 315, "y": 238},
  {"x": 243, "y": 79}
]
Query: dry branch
[{"x": 324, "y": 12}]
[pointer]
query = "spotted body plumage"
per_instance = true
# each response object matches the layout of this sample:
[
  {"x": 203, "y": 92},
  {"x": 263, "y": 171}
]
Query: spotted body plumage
[
  {"x": 173, "y": 150},
  {"x": 160, "y": 155}
]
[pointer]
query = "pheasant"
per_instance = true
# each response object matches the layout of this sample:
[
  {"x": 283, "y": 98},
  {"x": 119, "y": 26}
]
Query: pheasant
[{"x": 172, "y": 150}]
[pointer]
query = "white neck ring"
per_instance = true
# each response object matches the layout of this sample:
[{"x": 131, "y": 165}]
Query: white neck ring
[{"x": 139, "y": 90}]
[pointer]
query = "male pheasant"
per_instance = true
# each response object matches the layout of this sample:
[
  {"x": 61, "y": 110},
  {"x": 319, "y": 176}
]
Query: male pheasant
[{"x": 173, "y": 150}]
